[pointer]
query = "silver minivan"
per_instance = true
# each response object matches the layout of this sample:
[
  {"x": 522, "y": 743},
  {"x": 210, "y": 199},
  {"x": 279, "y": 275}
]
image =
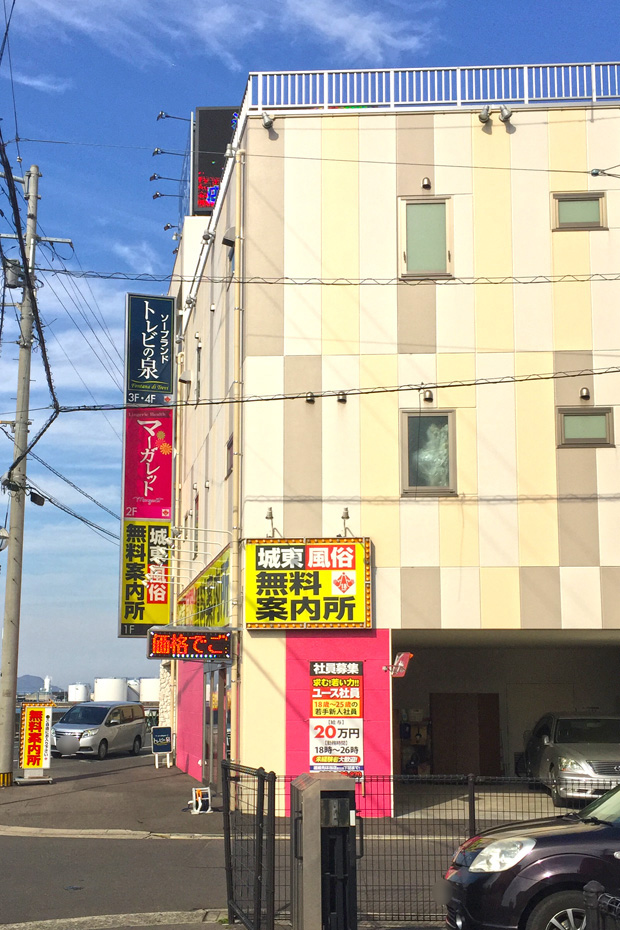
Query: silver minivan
[{"x": 99, "y": 727}]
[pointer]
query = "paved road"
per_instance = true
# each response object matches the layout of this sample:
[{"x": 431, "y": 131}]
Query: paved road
[{"x": 108, "y": 838}]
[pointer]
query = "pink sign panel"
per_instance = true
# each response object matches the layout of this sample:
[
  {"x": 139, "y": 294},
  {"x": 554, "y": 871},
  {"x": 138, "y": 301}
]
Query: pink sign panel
[{"x": 147, "y": 482}]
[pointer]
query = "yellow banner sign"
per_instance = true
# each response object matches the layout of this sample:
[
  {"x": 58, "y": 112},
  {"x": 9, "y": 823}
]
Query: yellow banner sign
[
  {"x": 307, "y": 584},
  {"x": 145, "y": 576},
  {"x": 35, "y": 736},
  {"x": 206, "y": 601}
]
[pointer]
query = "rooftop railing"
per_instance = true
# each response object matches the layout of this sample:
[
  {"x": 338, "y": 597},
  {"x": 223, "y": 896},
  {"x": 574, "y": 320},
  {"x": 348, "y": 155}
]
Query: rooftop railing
[{"x": 437, "y": 88}]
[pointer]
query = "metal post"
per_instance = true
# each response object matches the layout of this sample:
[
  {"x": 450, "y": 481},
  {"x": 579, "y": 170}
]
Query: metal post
[
  {"x": 591, "y": 894},
  {"x": 17, "y": 477},
  {"x": 235, "y": 549},
  {"x": 471, "y": 797}
]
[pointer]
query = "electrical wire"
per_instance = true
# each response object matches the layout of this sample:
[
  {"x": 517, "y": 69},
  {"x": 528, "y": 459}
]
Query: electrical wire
[
  {"x": 353, "y": 392},
  {"x": 5, "y": 37},
  {"x": 67, "y": 480},
  {"x": 348, "y": 282},
  {"x": 71, "y": 512},
  {"x": 323, "y": 159}
]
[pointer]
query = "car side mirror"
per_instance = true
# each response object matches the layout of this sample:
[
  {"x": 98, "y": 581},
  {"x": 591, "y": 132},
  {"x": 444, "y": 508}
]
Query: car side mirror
[
  {"x": 546, "y": 740},
  {"x": 112, "y": 723}
]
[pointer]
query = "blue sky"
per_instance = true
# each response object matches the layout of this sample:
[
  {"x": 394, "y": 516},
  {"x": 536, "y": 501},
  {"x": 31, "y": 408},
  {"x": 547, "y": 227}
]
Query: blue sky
[{"x": 95, "y": 75}]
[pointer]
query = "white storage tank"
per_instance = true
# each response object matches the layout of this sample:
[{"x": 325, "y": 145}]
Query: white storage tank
[
  {"x": 110, "y": 689},
  {"x": 149, "y": 690},
  {"x": 78, "y": 693},
  {"x": 47, "y": 684},
  {"x": 133, "y": 689}
]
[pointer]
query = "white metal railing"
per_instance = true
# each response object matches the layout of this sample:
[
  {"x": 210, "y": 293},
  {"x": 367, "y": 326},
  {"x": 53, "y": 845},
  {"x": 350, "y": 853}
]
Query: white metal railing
[{"x": 438, "y": 88}]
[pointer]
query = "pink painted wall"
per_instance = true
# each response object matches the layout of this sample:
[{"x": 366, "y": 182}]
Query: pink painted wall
[
  {"x": 189, "y": 718},
  {"x": 373, "y": 649}
]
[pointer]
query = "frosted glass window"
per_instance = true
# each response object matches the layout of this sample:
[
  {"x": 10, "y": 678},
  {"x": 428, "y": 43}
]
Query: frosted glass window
[
  {"x": 429, "y": 453},
  {"x": 593, "y": 427},
  {"x": 579, "y": 211},
  {"x": 426, "y": 238}
]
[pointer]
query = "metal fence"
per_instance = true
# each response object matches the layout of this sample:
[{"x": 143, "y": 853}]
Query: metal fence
[
  {"x": 412, "y": 826},
  {"x": 602, "y": 909},
  {"x": 397, "y": 88},
  {"x": 249, "y": 837}
]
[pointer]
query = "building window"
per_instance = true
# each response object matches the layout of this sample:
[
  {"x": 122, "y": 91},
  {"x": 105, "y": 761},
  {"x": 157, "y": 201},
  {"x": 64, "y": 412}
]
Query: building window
[
  {"x": 425, "y": 237},
  {"x": 593, "y": 426},
  {"x": 229, "y": 457},
  {"x": 428, "y": 454},
  {"x": 579, "y": 210}
]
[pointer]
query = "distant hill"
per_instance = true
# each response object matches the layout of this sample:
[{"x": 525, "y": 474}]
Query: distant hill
[{"x": 29, "y": 683}]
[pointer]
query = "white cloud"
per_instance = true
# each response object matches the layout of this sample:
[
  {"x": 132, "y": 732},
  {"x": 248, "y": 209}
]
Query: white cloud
[
  {"x": 47, "y": 83},
  {"x": 365, "y": 30},
  {"x": 138, "y": 256}
]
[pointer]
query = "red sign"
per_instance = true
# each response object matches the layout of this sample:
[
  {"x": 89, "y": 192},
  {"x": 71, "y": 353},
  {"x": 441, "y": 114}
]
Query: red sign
[
  {"x": 148, "y": 463},
  {"x": 183, "y": 643}
]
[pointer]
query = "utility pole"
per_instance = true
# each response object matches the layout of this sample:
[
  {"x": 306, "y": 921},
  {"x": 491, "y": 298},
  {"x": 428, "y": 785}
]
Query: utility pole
[{"x": 17, "y": 485}]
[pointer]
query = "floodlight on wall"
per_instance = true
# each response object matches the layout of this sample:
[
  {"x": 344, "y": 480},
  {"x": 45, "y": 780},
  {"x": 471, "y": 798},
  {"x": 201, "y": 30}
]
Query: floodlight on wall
[
  {"x": 162, "y": 177},
  {"x": 267, "y": 121},
  {"x": 341, "y": 397},
  {"x": 310, "y": 398},
  {"x": 170, "y": 226},
  {"x": 427, "y": 396},
  {"x": 505, "y": 113},
  {"x": 162, "y": 115},
  {"x": 208, "y": 236},
  {"x": 185, "y": 377},
  {"x": 426, "y": 184},
  {"x": 230, "y": 151},
  {"x": 269, "y": 517},
  {"x": 484, "y": 114},
  {"x": 584, "y": 393}
]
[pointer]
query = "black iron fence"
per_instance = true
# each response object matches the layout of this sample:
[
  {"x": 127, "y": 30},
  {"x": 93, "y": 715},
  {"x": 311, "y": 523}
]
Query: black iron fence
[
  {"x": 249, "y": 844},
  {"x": 412, "y": 825},
  {"x": 602, "y": 910}
]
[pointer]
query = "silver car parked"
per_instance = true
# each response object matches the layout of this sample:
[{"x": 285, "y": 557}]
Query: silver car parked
[
  {"x": 99, "y": 727},
  {"x": 576, "y": 755}
]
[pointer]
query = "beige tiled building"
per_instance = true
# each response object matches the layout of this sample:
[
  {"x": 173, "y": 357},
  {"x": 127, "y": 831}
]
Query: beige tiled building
[{"x": 452, "y": 272}]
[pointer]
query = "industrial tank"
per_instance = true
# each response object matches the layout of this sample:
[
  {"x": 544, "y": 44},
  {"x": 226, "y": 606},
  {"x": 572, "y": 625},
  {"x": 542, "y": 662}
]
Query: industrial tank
[
  {"x": 133, "y": 689},
  {"x": 78, "y": 693},
  {"x": 149, "y": 690},
  {"x": 110, "y": 689}
]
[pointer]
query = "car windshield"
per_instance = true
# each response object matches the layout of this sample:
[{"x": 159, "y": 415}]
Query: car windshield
[
  {"x": 606, "y": 808},
  {"x": 85, "y": 713},
  {"x": 588, "y": 730}
]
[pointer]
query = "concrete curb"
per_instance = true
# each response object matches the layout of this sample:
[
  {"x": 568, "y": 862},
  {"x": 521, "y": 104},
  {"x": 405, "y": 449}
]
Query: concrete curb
[
  {"x": 95, "y": 834},
  {"x": 209, "y": 918}
]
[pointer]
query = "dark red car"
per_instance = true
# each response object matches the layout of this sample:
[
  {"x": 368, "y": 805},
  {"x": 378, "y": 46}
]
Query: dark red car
[{"x": 530, "y": 875}]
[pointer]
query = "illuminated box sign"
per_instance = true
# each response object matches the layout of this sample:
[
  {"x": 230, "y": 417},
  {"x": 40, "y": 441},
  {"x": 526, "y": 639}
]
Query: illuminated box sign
[
  {"x": 188, "y": 643},
  {"x": 214, "y": 128},
  {"x": 145, "y": 576},
  {"x": 307, "y": 584},
  {"x": 35, "y": 736},
  {"x": 147, "y": 472},
  {"x": 206, "y": 601},
  {"x": 336, "y": 721},
  {"x": 149, "y": 357}
]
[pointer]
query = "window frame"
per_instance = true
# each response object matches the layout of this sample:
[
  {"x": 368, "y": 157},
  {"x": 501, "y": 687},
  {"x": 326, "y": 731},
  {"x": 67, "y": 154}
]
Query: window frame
[
  {"x": 230, "y": 457},
  {"x": 564, "y": 443},
  {"x": 403, "y": 271},
  {"x": 449, "y": 490},
  {"x": 559, "y": 197}
]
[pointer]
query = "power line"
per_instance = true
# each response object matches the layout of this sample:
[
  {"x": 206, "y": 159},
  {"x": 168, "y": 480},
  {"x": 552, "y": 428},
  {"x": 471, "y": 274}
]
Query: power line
[
  {"x": 67, "y": 480},
  {"x": 72, "y": 513},
  {"x": 353, "y": 392},
  {"x": 347, "y": 282},
  {"x": 323, "y": 159}
]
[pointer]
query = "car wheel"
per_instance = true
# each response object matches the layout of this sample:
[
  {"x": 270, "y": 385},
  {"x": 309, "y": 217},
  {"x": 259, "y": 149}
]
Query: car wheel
[
  {"x": 561, "y": 910},
  {"x": 102, "y": 750},
  {"x": 557, "y": 800},
  {"x": 137, "y": 746},
  {"x": 55, "y": 754}
]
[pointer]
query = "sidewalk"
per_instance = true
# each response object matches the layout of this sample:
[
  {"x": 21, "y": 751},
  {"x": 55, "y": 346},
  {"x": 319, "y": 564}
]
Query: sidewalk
[{"x": 103, "y": 800}]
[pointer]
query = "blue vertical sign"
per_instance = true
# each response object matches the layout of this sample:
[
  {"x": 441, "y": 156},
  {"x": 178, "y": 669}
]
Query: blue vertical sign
[{"x": 150, "y": 347}]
